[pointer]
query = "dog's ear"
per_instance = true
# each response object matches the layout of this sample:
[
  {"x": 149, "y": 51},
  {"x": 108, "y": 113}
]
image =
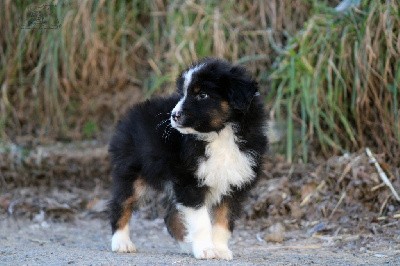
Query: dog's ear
[{"x": 242, "y": 88}]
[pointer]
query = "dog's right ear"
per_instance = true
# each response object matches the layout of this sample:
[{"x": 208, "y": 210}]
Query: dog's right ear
[{"x": 242, "y": 89}]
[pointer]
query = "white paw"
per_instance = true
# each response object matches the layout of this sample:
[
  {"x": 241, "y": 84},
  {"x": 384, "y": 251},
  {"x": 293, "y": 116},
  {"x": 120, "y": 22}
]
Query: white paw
[
  {"x": 204, "y": 254},
  {"x": 223, "y": 253},
  {"x": 203, "y": 251},
  {"x": 121, "y": 243},
  {"x": 123, "y": 246}
]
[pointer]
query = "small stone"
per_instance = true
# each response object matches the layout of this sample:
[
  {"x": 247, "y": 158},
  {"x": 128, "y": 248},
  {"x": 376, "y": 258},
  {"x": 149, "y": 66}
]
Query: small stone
[{"x": 275, "y": 233}]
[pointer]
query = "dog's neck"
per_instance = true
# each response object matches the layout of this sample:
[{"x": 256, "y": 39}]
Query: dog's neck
[{"x": 229, "y": 128}]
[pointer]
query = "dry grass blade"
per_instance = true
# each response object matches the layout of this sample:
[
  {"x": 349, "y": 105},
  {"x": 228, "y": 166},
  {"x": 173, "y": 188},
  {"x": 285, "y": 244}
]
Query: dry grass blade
[
  {"x": 337, "y": 205},
  {"x": 382, "y": 174}
]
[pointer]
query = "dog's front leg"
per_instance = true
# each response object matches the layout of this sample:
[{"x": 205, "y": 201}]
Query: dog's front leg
[
  {"x": 222, "y": 230},
  {"x": 199, "y": 231}
]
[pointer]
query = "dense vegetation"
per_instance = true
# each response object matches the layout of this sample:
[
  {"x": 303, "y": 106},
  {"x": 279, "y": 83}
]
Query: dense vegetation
[{"x": 331, "y": 78}]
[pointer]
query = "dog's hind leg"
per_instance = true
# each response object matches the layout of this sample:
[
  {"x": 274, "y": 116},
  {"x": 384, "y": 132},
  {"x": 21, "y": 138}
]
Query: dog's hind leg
[
  {"x": 176, "y": 228},
  {"x": 125, "y": 198}
]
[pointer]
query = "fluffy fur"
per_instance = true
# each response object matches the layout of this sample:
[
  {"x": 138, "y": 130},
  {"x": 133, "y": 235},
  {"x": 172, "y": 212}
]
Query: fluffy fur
[{"x": 203, "y": 146}]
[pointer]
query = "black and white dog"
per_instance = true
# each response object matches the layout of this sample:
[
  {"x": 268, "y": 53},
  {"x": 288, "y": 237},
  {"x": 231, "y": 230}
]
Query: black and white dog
[{"x": 202, "y": 146}]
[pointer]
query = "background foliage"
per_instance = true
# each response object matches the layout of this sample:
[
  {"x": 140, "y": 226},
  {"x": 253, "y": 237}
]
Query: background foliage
[{"x": 330, "y": 79}]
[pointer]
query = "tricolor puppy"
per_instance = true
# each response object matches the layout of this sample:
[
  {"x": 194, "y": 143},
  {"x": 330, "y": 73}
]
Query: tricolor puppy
[{"x": 203, "y": 146}]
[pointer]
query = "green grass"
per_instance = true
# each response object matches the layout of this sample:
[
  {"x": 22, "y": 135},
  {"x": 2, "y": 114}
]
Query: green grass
[{"x": 338, "y": 82}]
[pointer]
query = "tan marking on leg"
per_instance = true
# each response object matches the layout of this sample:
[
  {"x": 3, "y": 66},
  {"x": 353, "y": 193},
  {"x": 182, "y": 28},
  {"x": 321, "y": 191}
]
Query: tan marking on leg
[
  {"x": 139, "y": 188},
  {"x": 221, "y": 232},
  {"x": 175, "y": 225},
  {"x": 221, "y": 213},
  {"x": 127, "y": 208}
]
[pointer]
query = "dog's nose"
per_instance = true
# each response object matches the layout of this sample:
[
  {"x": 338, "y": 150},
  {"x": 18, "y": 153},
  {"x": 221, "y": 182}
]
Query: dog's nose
[{"x": 176, "y": 115}]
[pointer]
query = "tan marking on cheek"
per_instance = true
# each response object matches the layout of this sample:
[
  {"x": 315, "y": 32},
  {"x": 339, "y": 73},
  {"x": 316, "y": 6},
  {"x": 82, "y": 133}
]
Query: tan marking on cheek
[
  {"x": 221, "y": 215},
  {"x": 196, "y": 89},
  {"x": 139, "y": 188},
  {"x": 218, "y": 117},
  {"x": 216, "y": 120},
  {"x": 175, "y": 225}
]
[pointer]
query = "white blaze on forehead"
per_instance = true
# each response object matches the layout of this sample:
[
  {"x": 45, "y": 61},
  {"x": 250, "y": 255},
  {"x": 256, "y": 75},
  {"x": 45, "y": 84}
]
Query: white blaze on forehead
[
  {"x": 178, "y": 107},
  {"x": 188, "y": 77}
]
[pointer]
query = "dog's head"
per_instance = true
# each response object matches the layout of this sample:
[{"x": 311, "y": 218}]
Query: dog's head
[{"x": 213, "y": 92}]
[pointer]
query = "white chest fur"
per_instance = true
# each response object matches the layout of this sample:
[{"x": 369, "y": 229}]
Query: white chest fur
[{"x": 225, "y": 165}]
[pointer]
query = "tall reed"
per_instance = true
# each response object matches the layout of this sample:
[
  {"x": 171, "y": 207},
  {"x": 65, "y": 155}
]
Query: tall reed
[{"x": 337, "y": 82}]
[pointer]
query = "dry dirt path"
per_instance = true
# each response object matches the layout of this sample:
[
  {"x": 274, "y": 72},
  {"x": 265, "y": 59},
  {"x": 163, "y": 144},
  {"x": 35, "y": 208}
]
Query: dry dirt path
[{"x": 87, "y": 242}]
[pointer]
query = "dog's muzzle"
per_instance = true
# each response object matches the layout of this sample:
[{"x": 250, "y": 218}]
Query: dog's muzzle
[{"x": 177, "y": 116}]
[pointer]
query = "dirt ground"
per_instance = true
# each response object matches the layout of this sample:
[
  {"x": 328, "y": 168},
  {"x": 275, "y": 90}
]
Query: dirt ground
[
  {"x": 87, "y": 242},
  {"x": 68, "y": 225},
  {"x": 333, "y": 212}
]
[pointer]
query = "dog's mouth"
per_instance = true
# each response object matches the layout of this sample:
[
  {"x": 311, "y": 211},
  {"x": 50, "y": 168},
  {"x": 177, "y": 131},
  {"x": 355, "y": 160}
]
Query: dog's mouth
[
  {"x": 182, "y": 128},
  {"x": 182, "y": 121},
  {"x": 175, "y": 124}
]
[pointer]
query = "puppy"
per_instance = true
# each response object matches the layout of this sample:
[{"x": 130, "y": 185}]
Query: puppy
[{"x": 202, "y": 146}]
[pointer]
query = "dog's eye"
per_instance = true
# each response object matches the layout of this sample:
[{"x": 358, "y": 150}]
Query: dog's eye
[{"x": 201, "y": 96}]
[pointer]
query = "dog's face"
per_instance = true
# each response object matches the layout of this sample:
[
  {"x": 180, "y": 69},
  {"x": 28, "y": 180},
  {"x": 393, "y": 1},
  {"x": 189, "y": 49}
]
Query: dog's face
[{"x": 212, "y": 93}]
